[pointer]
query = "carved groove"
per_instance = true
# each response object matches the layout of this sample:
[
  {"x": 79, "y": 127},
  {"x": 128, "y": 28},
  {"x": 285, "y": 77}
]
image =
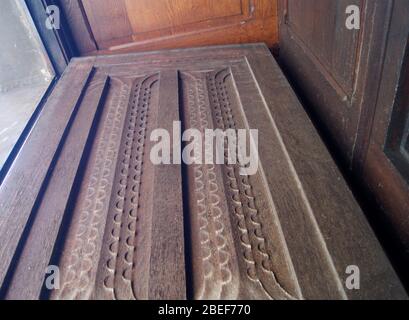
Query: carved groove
[
  {"x": 111, "y": 201},
  {"x": 208, "y": 105},
  {"x": 252, "y": 239},
  {"x": 215, "y": 249},
  {"x": 76, "y": 272}
]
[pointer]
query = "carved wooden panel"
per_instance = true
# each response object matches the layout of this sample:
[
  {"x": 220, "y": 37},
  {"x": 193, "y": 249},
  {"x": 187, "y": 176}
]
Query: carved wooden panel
[
  {"x": 225, "y": 206},
  {"x": 129, "y": 25},
  {"x": 354, "y": 83},
  {"x": 120, "y": 227}
]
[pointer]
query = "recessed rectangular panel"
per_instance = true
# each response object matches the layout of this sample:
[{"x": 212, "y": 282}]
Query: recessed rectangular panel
[
  {"x": 151, "y": 15},
  {"x": 142, "y": 25},
  {"x": 320, "y": 27}
]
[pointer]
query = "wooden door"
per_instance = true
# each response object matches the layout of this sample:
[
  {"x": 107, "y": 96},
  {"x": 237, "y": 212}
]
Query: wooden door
[
  {"x": 350, "y": 79},
  {"x": 84, "y": 194},
  {"x": 136, "y": 25},
  {"x": 338, "y": 69}
]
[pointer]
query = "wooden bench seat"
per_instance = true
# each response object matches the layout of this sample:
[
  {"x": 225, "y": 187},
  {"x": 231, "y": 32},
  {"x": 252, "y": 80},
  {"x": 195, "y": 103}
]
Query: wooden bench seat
[{"x": 83, "y": 195}]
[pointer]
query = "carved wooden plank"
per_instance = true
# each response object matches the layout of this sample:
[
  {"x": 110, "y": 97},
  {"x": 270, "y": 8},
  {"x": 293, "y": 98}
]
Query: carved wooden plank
[
  {"x": 131, "y": 229},
  {"x": 224, "y": 207},
  {"x": 90, "y": 212}
]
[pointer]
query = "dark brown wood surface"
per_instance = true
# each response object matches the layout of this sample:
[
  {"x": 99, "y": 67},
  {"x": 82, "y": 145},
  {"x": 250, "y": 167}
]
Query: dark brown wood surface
[
  {"x": 105, "y": 26},
  {"x": 354, "y": 84},
  {"x": 84, "y": 195},
  {"x": 338, "y": 70},
  {"x": 385, "y": 161}
]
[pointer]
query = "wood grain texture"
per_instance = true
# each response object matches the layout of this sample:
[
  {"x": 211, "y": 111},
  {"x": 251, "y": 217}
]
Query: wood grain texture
[
  {"x": 353, "y": 84},
  {"x": 78, "y": 23},
  {"x": 148, "y": 15},
  {"x": 387, "y": 178},
  {"x": 120, "y": 227},
  {"x": 337, "y": 69},
  {"x": 129, "y": 26}
]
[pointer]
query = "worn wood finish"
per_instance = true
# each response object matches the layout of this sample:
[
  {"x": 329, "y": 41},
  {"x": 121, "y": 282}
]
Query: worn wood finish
[
  {"x": 338, "y": 69},
  {"x": 385, "y": 163},
  {"x": 128, "y": 25},
  {"x": 120, "y": 227},
  {"x": 82, "y": 36},
  {"x": 354, "y": 83}
]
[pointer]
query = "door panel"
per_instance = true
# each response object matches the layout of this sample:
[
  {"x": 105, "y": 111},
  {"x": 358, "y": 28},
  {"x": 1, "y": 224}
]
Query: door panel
[
  {"x": 166, "y": 14},
  {"x": 386, "y": 162},
  {"x": 320, "y": 30},
  {"x": 356, "y": 86},
  {"x": 128, "y": 25},
  {"x": 121, "y": 227},
  {"x": 338, "y": 69}
]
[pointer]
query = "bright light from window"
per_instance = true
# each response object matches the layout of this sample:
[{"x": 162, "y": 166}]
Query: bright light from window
[{"x": 25, "y": 72}]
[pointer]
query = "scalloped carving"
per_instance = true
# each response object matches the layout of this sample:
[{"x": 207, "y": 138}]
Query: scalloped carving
[
  {"x": 109, "y": 200},
  {"x": 235, "y": 255}
]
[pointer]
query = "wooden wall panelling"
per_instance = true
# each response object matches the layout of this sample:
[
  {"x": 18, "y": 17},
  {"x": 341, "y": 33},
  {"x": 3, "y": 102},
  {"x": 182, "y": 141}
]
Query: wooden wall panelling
[
  {"x": 127, "y": 25},
  {"x": 338, "y": 70},
  {"x": 356, "y": 121},
  {"x": 384, "y": 176},
  {"x": 154, "y": 15},
  {"x": 119, "y": 227},
  {"x": 108, "y": 21}
]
